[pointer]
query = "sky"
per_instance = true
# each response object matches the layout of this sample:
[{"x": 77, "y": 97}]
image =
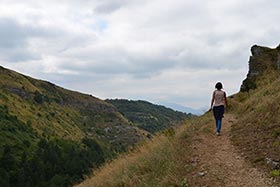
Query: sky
[{"x": 162, "y": 51}]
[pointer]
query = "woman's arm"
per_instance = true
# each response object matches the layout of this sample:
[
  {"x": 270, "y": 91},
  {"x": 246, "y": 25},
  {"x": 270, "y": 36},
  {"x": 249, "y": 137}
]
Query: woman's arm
[
  {"x": 225, "y": 96},
  {"x": 212, "y": 101}
]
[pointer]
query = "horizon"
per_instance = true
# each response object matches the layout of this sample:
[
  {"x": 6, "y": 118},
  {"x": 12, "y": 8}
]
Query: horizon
[{"x": 157, "y": 51}]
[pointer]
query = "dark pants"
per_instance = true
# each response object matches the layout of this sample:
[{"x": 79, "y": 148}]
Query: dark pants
[{"x": 218, "y": 114}]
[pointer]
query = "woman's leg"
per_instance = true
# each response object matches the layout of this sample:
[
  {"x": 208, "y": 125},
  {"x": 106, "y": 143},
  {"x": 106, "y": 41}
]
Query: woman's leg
[
  {"x": 219, "y": 125},
  {"x": 218, "y": 114}
]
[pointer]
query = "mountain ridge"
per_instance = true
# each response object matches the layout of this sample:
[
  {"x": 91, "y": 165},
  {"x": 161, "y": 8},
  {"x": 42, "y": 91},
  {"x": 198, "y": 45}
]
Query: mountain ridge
[
  {"x": 41, "y": 93},
  {"x": 147, "y": 116}
]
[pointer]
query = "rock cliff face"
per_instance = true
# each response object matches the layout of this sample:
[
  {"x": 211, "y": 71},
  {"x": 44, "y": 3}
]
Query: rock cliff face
[{"x": 262, "y": 60}]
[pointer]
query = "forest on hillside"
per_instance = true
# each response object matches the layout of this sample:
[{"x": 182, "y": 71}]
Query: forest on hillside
[
  {"x": 150, "y": 117},
  {"x": 31, "y": 161}
]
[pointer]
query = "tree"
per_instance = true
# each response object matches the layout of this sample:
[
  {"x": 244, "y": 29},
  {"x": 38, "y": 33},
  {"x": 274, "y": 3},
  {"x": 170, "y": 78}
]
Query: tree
[
  {"x": 4, "y": 178},
  {"x": 7, "y": 161}
]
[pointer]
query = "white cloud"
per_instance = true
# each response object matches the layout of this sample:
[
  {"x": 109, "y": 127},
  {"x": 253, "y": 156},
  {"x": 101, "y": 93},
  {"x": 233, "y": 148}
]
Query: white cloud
[{"x": 161, "y": 51}]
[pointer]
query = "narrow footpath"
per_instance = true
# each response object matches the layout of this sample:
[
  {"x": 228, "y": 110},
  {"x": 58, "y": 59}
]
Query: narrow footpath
[{"x": 218, "y": 164}]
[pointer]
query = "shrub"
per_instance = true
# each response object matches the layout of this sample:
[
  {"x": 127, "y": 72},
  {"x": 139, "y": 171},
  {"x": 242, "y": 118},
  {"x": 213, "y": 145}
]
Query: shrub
[{"x": 275, "y": 173}]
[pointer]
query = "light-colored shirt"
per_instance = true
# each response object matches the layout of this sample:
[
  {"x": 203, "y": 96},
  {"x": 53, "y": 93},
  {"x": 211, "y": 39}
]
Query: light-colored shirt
[{"x": 219, "y": 97}]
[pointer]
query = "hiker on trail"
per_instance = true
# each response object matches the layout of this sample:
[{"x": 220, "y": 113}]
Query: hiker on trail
[{"x": 219, "y": 100}]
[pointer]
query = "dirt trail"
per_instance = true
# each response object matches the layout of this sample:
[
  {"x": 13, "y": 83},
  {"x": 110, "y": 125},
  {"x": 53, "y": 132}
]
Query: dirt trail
[{"x": 218, "y": 164}]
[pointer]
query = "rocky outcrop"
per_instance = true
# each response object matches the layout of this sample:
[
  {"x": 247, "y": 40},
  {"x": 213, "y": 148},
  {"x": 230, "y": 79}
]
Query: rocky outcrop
[
  {"x": 262, "y": 59},
  {"x": 278, "y": 61}
]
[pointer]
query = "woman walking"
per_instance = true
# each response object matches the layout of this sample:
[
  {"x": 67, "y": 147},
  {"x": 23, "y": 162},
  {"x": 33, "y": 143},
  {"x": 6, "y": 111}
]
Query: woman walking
[{"x": 219, "y": 100}]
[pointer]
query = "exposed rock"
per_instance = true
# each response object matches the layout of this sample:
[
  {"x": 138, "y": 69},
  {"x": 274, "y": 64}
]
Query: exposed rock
[
  {"x": 262, "y": 59},
  {"x": 201, "y": 174},
  {"x": 20, "y": 92},
  {"x": 272, "y": 163},
  {"x": 278, "y": 61},
  {"x": 257, "y": 50}
]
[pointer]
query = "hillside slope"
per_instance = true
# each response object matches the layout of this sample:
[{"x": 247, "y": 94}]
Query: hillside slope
[
  {"x": 257, "y": 132},
  {"x": 50, "y": 136},
  {"x": 246, "y": 153},
  {"x": 39, "y": 117},
  {"x": 147, "y": 116}
]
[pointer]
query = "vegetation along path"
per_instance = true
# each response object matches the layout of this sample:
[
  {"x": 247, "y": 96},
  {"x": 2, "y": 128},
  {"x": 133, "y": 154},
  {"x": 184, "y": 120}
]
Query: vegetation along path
[
  {"x": 217, "y": 162},
  {"x": 193, "y": 157}
]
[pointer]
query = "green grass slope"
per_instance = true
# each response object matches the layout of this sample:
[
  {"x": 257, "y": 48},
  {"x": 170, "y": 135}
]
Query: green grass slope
[
  {"x": 51, "y": 136},
  {"x": 150, "y": 117}
]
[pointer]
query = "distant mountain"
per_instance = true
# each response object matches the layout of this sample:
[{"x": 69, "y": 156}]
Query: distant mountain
[
  {"x": 51, "y": 135},
  {"x": 185, "y": 109},
  {"x": 148, "y": 116}
]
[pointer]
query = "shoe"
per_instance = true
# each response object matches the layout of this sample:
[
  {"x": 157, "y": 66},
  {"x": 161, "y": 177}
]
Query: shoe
[{"x": 217, "y": 133}]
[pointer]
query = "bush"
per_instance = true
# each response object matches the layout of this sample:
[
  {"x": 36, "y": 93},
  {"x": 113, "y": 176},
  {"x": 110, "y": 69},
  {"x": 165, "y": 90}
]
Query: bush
[{"x": 275, "y": 173}]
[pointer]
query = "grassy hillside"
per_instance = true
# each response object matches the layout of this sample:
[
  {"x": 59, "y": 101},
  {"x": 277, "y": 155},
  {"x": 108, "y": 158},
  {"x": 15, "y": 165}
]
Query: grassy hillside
[
  {"x": 257, "y": 132},
  {"x": 150, "y": 117},
  {"x": 54, "y": 111},
  {"x": 47, "y": 130}
]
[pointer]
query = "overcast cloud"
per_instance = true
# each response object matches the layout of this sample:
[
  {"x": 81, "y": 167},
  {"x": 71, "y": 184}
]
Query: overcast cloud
[{"x": 163, "y": 51}]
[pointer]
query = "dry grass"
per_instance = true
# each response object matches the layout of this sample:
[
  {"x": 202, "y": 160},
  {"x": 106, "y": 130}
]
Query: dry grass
[
  {"x": 257, "y": 131},
  {"x": 165, "y": 161}
]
